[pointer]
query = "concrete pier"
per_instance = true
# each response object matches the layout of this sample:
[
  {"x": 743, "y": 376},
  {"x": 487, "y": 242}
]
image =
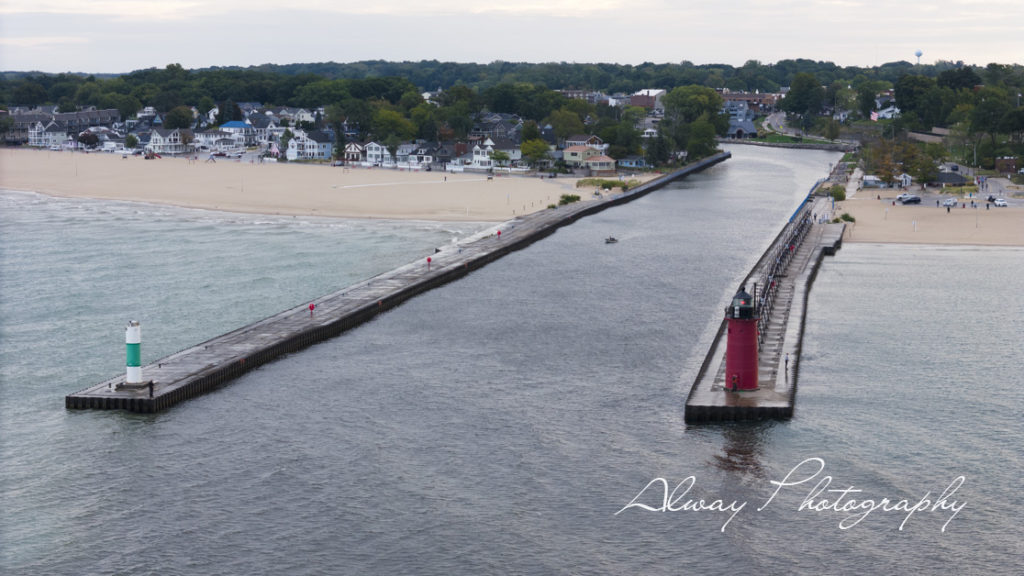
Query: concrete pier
[
  {"x": 211, "y": 364},
  {"x": 783, "y": 276}
]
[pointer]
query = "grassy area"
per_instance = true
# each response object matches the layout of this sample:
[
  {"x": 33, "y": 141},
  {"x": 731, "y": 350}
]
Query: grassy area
[
  {"x": 607, "y": 184},
  {"x": 960, "y": 190}
]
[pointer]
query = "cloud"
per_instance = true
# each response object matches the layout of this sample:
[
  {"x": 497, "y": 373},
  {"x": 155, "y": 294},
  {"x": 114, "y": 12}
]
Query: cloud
[
  {"x": 186, "y": 9},
  {"x": 42, "y": 41},
  {"x": 114, "y": 9}
]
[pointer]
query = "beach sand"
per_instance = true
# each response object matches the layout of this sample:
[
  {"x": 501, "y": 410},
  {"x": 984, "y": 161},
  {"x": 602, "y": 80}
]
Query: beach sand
[
  {"x": 880, "y": 221},
  {"x": 291, "y": 189}
]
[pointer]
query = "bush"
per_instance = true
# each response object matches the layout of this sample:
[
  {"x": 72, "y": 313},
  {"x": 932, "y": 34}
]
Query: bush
[
  {"x": 568, "y": 199},
  {"x": 838, "y": 191},
  {"x": 605, "y": 184},
  {"x": 552, "y": 206},
  {"x": 847, "y": 218}
]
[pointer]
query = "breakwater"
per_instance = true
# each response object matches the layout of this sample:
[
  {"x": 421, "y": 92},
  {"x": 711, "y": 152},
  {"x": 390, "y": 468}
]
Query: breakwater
[
  {"x": 211, "y": 364},
  {"x": 838, "y": 146},
  {"x": 780, "y": 280}
]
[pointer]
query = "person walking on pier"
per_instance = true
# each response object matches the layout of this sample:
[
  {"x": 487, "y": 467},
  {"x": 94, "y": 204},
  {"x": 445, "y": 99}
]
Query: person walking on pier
[{"x": 787, "y": 362}]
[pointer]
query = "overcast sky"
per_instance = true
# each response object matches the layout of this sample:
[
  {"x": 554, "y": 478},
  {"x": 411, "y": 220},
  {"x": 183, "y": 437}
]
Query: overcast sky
[{"x": 125, "y": 35}]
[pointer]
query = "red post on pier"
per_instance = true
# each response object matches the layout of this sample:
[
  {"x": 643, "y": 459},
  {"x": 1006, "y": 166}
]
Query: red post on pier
[
  {"x": 741, "y": 343},
  {"x": 311, "y": 308},
  {"x": 428, "y": 262}
]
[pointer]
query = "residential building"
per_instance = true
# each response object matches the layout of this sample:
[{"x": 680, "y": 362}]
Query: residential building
[
  {"x": 353, "y": 152},
  {"x": 637, "y": 162},
  {"x": 313, "y": 145},
  {"x": 649, "y": 99},
  {"x": 244, "y": 134},
  {"x": 378, "y": 154},
  {"x": 577, "y": 156},
  {"x": 165, "y": 141},
  {"x": 586, "y": 140},
  {"x": 601, "y": 165}
]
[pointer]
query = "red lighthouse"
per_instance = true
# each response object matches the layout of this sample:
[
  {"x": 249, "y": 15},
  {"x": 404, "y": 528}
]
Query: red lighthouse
[{"x": 741, "y": 346}]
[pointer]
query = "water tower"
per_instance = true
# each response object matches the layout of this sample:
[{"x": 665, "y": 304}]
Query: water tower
[{"x": 918, "y": 54}]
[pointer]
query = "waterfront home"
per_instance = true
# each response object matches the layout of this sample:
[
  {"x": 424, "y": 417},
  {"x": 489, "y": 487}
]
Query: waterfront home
[
  {"x": 264, "y": 128},
  {"x": 481, "y": 158},
  {"x": 600, "y": 165},
  {"x": 576, "y": 156},
  {"x": 637, "y": 162},
  {"x": 586, "y": 140},
  {"x": 378, "y": 154},
  {"x": 313, "y": 145},
  {"x": 353, "y": 152},
  {"x": 165, "y": 141},
  {"x": 243, "y": 133},
  {"x": 214, "y": 140}
]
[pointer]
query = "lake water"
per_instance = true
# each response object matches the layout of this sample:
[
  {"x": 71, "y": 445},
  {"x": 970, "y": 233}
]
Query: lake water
[{"x": 497, "y": 425}]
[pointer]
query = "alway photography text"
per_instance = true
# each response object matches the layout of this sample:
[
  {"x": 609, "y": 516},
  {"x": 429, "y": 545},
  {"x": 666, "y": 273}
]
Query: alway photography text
[{"x": 850, "y": 504}]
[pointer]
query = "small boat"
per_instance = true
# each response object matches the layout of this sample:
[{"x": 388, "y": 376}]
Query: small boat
[{"x": 610, "y": 240}]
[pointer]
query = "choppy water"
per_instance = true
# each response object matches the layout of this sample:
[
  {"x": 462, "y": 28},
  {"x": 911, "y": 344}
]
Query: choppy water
[{"x": 497, "y": 425}]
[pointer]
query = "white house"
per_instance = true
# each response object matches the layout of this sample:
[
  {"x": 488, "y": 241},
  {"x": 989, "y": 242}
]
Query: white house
[
  {"x": 586, "y": 140},
  {"x": 889, "y": 112},
  {"x": 353, "y": 152},
  {"x": 45, "y": 135},
  {"x": 243, "y": 133},
  {"x": 482, "y": 155},
  {"x": 164, "y": 141},
  {"x": 378, "y": 155},
  {"x": 315, "y": 145}
]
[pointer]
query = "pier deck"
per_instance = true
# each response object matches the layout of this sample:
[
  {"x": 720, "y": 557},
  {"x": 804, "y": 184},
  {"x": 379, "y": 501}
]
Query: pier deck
[
  {"x": 211, "y": 364},
  {"x": 781, "y": 329}
]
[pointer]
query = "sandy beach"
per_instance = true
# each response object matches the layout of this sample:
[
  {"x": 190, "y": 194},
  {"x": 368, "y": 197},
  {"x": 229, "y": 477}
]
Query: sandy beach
[
  {"x": 296, "y": 189},
  {"x": 882, "y": 221}
]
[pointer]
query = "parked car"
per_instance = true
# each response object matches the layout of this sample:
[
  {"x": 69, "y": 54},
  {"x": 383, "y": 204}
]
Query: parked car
[
  {"x": 903, "y": 196},
  {"x": 999, "y": 202},
  {"x": 911, "y": 199},
  {"x": 950, "y": 202}
]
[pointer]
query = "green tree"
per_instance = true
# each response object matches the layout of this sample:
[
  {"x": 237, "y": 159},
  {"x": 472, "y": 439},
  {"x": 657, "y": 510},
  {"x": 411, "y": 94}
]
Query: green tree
[
  {"x": 6, "y": 125},
  {"x": 530, "y": 131},
  {"x": 285, "y": 139},
  {"x": 178, "y": 117},
  {"x": 688, "y": 103},
  {"x": 912, "y": 95},
  {"x": 534, "y": 150},
  {"x": 832, "y": 129},
  {"x": 963, "y": 78},
  {"x": 205, "y": 104},
  {"x": 387, "y": 123},
  {"x": 30, "y": 94},
  {"x": 659, "y": 150},
  {"x": 702, "y": 139},
  {"x": 992, "y": 107},
  {"x": 131, "y": 142},
  {"x": 500, "y": 157},
  {"x": 391, "y": 143},
  {"x": 566, "y": 123},
  {"x": 805, "y": 95}
]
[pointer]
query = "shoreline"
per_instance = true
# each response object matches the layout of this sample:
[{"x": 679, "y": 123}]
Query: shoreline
[
  {"x": 882, "y": 222},
  {"x": 284, "y": 189}
]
